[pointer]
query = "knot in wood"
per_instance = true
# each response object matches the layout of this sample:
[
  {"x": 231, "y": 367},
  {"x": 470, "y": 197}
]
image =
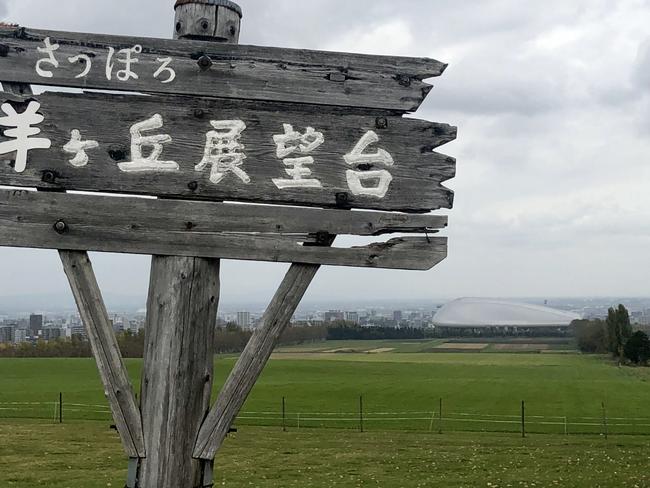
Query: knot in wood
[
  {"x": 404, "y": 80},
  {"x": 118, "y": 153},
  {"x": 343, "y": 200}
]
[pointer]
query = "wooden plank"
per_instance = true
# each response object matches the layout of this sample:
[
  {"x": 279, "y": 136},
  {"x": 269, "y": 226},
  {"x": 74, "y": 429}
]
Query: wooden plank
[
  {"x": 112, "y": 371},
  {"x": 251, "y": 362},
  {"x": 221, "y": 70},
  {"x": 44, "y": 230},
  {"x": 192, "y": 217},
  {"x": 417, "y": 172},
  {"x": 178, "y": 367}
]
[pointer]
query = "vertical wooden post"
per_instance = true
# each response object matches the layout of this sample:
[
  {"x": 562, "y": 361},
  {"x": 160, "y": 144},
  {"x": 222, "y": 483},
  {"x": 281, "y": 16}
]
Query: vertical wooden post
[
  {"x": 361, "y": 413},
  {"x": 284, "y": 415},
  {"x": 440, "y": 417},
  {"x": 181, "y": 319},
  {"x": 605, "y": 428},
  {"x": 523, "y": 419},
  {"x": 178, "y": 364},
  {"x": 60, "y": 407}
]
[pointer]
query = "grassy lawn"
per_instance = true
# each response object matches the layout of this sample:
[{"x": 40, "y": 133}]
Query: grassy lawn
[
  {"x": 553, "y": 385},
  {"x": 88, "y": 455},
  {"x": 404, "y": 453}
]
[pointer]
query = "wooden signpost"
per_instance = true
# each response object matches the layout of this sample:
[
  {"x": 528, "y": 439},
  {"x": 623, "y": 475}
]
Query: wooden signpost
[{"x": 253, "y": 153}]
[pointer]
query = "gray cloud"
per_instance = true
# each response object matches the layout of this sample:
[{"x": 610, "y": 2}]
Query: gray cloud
[
  {"x": 553, "y": 107},
  {"x": 642, "y": 68}
]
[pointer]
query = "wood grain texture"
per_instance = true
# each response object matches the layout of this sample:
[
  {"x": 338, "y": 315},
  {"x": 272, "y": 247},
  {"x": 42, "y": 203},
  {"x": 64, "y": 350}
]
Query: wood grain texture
[
  {"x": 208, "y": 22},
  {"x": 112, "y": 371},
  {"x": 252, "y": 361},
  {"x": 178, "y": 367},
  {"x": 239, "y": 72},
  {"x": 197, "y": 217},
  {"x": 418, "y": 171},
  {"x": 162, "y": 227}
]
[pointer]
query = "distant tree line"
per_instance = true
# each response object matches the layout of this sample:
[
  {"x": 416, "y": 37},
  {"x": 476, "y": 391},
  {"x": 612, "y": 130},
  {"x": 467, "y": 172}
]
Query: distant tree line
[
  {"x": 346, "y": 331},
  {"x": 613, "y": 335},
  {"x": 231, "y": 338},
  {"x": 60, "y": 348},
  {"x": 228, "y": 339}
]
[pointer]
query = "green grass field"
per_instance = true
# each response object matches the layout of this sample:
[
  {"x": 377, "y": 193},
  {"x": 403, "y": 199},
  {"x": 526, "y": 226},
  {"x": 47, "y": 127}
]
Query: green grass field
[
  {"x": 88, "y": 455},
  {"x": 401, "y": 391},
  {"x": 479, "y": 391}
]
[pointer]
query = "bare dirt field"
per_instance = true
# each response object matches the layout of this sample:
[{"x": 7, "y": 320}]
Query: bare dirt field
[{"x": 462, "y": 347}]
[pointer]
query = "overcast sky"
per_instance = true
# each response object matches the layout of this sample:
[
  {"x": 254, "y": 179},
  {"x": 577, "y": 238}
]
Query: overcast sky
[{"x": 552, "y": 101}]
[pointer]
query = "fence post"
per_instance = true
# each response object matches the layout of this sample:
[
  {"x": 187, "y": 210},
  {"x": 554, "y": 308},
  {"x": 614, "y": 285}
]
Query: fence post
[
  {"x": 298, "y": 420},
  {"x": 284, "y": 416},
  {"x": 440, "y": 417},
  {"x": 523, "y": 419},
  {"x": 605, "y": 429},
  {"x": 566, "y": 426},
  {"x": 60, "y": 407},
  {"x": 360, "y": 413},
  {"x": 433, "y": 419}
]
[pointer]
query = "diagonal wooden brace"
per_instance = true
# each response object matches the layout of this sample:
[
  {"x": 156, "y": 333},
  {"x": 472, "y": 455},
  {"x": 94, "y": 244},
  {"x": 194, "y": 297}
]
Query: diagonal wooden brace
[
  {"x": 90, "y": 303},
  {"x": 102, "y": 338},
  {"x": 252, "y": 361}
]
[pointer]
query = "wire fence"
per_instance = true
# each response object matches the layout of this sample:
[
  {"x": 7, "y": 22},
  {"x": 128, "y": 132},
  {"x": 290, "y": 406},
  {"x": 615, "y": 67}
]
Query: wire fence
[{"x": 437, "y": 420}]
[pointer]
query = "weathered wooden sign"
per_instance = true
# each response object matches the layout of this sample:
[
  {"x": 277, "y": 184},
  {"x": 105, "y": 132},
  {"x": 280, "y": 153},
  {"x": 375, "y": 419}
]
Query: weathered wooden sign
[
  {"x": 219, "y": 149},
  {"x": 224, "y": 150},
  {"x": 207, "y": 150},
  {"x": 215, "y": 69},
  {"x": 205, "y": 229}
]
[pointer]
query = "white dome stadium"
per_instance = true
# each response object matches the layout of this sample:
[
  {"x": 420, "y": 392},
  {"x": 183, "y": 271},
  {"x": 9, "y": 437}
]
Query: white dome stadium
[{"x": 481, "y": 312}]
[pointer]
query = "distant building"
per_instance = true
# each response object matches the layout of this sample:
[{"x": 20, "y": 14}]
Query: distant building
[
  {"x": 244, "y": 320},
  {"x": 7, "y": 334},
  {"x": 78, "y": 332},
  {"x": 35, "y": 324},
  {"x": 52, "y": 333},
  {"x": 352, "y": 317},
  {"x": 334, "y": 315},
  {"x": 418, "y": 323},
  {"x": 118, "y": 325},
  {"x": 20, "y": 336},
  {"x": 486, "y": 317},
  {"x": 135, "y": 326},
  {"x": 397, "y": 316}
]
